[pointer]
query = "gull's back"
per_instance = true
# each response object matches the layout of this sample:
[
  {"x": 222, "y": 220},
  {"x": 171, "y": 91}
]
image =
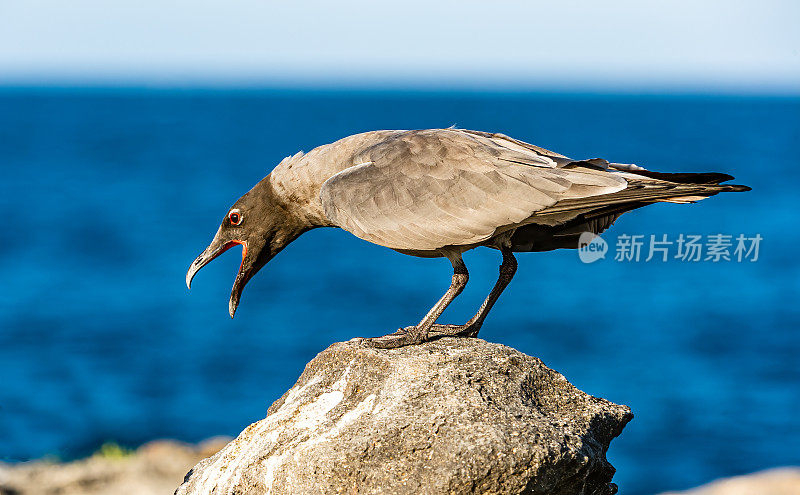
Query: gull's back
[{"x": 421, "y": 191}]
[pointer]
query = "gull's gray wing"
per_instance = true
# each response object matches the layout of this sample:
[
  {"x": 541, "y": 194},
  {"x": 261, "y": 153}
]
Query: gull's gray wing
[{"x": 424, "y": 190}]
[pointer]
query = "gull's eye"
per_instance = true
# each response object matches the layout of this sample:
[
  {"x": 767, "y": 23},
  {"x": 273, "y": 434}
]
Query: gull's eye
[{"x": 235, "y": 216}]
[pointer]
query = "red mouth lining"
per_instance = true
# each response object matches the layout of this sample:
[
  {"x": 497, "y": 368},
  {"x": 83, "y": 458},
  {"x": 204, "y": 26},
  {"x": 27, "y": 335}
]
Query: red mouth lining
[
  {"x": 227, "y": 246},
  {"x": 244, "y": 250}
]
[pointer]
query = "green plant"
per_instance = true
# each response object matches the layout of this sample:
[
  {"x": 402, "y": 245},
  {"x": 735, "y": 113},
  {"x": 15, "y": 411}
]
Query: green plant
[{"x": 112, "y": 450}]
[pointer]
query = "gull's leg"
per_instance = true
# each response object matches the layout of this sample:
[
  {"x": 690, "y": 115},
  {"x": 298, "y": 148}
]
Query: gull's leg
[
  {"x": 507, "y": 270},
  {"x": 419, "y": 333}
]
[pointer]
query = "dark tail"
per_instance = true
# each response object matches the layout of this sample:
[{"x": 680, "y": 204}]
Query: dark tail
[{"x": 695, "y": 178}]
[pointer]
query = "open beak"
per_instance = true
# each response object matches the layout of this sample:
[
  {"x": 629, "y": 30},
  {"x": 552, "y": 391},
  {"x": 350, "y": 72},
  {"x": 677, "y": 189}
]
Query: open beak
[{"x": 215, "y": 249}]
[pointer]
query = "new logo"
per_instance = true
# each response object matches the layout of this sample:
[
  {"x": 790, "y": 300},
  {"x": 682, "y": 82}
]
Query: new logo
[{"x": 591, "y": 247}]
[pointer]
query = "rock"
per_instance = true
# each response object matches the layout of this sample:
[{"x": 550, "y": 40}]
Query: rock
[
  {"x": 453, "y": 416},
  {"x": 777, "y": 481},
  {"x": 153, "y": 469}
]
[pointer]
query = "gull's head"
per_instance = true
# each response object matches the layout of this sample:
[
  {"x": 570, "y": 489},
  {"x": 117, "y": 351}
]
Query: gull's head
[{"x": 258, "y": 224}]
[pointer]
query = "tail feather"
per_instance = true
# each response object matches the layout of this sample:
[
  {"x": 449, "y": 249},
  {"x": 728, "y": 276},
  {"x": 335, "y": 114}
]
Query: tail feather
[
  {"x": 692, "y": 178},
  {"x": 646, "y": 191},
  {"x": 686, "y": 177}
]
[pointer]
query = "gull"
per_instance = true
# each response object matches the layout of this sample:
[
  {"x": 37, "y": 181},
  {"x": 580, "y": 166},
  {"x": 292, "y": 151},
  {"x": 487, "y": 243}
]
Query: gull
[{"x": 436, "y": 193}]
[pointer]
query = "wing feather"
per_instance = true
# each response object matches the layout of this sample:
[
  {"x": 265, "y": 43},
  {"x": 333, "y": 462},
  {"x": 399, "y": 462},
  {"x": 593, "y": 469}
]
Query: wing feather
[{"x": 424, "y": 190}]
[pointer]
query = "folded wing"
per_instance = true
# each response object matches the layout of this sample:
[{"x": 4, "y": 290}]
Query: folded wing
[{"x": 424, "y": 190}]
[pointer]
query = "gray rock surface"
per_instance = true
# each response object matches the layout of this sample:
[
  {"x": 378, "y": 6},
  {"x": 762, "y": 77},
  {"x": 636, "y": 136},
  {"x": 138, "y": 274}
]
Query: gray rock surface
[
  {"x": 153, "y": 469},
  {"x": 776, "y": 481},
  {"x": 453, "y": 416}
]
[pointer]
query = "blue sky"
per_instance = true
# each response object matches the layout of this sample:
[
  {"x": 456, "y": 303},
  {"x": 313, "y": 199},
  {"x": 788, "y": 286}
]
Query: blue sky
[{"x": 620, "y": 44}]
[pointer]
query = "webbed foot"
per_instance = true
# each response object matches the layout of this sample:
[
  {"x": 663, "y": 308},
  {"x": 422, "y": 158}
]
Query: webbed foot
[
  {"x": 412, "y": 335},
  {"x": 401, "y": 338},
  {"x": 436, "y": 331}
]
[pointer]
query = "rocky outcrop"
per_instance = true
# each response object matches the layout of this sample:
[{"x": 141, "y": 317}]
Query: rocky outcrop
[
  {"x": 453, "y": 416},
  {"x": 776, "y": 481},
  {"x": 153, "y": 469}
]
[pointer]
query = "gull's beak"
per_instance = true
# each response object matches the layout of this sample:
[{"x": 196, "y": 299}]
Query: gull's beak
[
  {"x": 207, "y": 256},
  {"x": 255, "y": 254},
  {"x": 215, "y": 249},
  {"x": 242, "y": 277}
]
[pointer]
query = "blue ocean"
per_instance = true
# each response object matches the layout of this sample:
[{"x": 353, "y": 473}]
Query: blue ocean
[{"x": 107, "y": 195}]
